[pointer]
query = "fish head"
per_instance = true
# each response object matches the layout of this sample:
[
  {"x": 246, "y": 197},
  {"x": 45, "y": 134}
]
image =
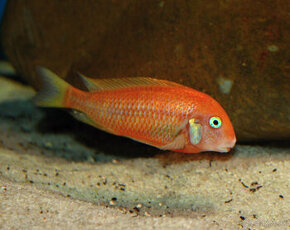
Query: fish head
[{"x": 211, "y": 130}]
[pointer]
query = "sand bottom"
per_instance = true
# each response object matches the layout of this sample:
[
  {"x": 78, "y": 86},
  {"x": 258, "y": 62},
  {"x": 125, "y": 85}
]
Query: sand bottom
[{"x": 56, "y": 172}]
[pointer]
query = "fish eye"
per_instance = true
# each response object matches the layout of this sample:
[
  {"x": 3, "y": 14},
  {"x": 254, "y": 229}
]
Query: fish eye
[{"x": 215, "y": 122}]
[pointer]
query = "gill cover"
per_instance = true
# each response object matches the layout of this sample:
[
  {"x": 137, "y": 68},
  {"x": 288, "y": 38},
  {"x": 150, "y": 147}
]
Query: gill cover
[{"x": 194, "y": 132}]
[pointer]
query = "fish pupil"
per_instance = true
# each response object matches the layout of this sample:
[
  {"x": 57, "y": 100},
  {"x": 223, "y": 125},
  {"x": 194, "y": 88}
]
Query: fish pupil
[{"x": 215, "y": 122}]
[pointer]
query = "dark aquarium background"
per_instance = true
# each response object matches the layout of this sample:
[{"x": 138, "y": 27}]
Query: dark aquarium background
[{"x": 2, "y": 8}]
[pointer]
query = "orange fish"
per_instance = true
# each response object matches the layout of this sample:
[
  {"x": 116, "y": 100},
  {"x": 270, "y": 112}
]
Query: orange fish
[{"x": 160, "y": 113}]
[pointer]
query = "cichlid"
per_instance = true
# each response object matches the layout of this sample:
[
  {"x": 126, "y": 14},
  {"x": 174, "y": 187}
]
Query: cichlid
[{"x": 159, "y": 113}]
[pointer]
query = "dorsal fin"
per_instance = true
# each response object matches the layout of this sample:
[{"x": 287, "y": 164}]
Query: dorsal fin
[{"x": 118, "y": 83}]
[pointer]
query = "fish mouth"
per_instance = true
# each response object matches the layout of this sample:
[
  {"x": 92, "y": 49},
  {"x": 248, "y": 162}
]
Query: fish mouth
[
  {"x": 224, "y": 149},
  {"x": 221, "y": 149},
  {"x": 227, "y": 147}
]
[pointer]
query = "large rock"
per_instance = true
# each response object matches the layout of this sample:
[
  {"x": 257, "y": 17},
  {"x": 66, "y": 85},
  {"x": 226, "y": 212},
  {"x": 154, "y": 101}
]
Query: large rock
[{"x": 234, "y": 50}]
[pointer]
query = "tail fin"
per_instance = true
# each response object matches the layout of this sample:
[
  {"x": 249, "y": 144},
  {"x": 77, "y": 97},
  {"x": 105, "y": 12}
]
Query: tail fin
[{"x": 52, "y": 91}]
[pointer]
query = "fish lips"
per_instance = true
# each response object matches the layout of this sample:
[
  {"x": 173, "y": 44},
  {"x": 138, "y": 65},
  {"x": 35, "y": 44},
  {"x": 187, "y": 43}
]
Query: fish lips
[{"x": 226, "y": 147}]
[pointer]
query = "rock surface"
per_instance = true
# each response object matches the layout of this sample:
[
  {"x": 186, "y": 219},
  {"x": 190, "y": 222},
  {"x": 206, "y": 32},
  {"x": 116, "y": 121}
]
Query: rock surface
[
  {"x": 53, "y": 176},
  {"x": 236, "y": 51}
]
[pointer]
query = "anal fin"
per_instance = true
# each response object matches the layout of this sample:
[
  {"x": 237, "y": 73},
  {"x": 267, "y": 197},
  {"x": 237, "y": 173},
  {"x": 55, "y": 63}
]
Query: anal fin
[{"x": 86, "y": 119}]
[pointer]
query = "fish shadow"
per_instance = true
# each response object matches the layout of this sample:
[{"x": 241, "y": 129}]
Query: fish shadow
[
  {"x": 59, "y": 121},
  {"x": 170, "y": 158},
  {"x": 26, "y": 119}
]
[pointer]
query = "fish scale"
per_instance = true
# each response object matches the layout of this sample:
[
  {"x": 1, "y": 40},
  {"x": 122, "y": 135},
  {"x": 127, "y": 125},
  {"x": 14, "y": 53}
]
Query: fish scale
[{"x": 132, "y": 123}]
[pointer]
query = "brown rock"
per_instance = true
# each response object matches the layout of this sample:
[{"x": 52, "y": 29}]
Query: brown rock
[{"x": 235, "y": 51}]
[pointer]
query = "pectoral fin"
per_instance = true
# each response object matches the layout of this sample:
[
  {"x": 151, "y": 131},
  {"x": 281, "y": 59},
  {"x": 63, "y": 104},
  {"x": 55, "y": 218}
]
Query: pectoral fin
[
  {"x": 194, "y": 132},
  {"x": 178, "y": 143}
]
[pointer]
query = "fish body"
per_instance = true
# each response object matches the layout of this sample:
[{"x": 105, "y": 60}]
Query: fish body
[{"x": 160, "y": 113}]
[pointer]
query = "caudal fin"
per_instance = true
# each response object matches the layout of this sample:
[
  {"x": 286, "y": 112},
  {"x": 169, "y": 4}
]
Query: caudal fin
[{"x": 52, "y": 91}]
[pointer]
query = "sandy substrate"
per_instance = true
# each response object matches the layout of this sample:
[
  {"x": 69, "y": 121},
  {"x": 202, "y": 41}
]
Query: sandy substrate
[{"x": 58, "y": 173}]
